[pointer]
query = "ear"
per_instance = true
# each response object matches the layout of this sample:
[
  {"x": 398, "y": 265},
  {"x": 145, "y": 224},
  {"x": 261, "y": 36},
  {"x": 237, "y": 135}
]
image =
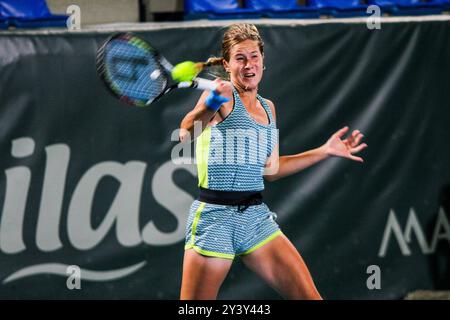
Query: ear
[{"x": 226, "y": 65}]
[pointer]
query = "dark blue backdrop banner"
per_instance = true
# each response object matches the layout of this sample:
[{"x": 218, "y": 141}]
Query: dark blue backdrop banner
[{"x": 87, "y": 181}]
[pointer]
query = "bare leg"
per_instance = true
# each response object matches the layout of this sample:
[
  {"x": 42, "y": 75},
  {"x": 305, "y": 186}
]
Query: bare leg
[
  {"x": 281, "y": 266},
  {"x": 202, "y": 276}
]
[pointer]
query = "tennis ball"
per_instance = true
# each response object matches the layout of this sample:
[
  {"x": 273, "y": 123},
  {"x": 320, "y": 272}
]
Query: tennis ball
[{"x": 185, "y": 71}]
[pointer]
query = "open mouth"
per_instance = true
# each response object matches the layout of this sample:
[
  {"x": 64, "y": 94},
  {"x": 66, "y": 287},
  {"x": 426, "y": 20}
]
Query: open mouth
[{"x": 249, "y": 75}]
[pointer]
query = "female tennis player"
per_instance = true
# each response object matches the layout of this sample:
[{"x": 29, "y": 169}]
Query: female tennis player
[{"x": 229, "y": 218}]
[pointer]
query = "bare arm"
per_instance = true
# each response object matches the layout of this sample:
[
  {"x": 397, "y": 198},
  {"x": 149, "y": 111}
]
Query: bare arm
[
  {"x": 288, "y": 165},
  {"x": 282, "y": 166},
  {"x": 201, "y": 113}
]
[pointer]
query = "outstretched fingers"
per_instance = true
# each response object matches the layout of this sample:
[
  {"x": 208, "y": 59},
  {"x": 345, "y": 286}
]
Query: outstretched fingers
[
  {"x": 341, "y": 132},
  {"x": 359, "y": 159},
  {"x": 358, "y": 148},
  {"x": 357, "y": 138},
  {"x": 354, "y": 138}
]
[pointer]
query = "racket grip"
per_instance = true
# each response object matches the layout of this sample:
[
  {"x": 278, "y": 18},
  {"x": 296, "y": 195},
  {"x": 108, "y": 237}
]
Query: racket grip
[{"x": 203, "y": 84}]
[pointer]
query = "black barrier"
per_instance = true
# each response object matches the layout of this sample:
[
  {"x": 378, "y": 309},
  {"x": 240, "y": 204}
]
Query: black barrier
[{"x": 89, "y": 190}]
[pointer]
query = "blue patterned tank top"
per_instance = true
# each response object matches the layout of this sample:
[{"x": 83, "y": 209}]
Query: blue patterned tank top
[{"x": 231, "y": 155}]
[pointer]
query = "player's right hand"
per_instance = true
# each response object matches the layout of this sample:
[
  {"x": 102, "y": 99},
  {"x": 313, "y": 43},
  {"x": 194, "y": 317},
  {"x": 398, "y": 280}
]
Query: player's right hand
[{"x": 224, "y": 88}]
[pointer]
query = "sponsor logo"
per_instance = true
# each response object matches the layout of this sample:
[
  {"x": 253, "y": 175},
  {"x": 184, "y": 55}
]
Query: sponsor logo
[
  {"x": 395, "y": 235},
  {"x": 122, "y": 217}
]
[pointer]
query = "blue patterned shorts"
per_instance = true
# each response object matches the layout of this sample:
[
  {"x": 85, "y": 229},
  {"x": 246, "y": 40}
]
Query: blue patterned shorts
[{"x": 224, "y": 232}]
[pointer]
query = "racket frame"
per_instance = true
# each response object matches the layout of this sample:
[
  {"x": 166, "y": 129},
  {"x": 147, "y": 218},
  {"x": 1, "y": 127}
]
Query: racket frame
[{"x": 164, "y": 65}]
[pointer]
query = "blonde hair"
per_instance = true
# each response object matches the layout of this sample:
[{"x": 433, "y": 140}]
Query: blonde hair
[{"x": 235, "y": 34}]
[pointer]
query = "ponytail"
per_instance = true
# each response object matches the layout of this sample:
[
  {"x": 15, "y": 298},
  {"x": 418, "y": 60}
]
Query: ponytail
[{"x": 214, "y": 67}]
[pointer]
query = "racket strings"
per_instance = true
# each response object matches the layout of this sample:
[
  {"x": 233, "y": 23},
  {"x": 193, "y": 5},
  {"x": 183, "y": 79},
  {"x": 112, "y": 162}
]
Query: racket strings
[{"x": 129, "y": 70}]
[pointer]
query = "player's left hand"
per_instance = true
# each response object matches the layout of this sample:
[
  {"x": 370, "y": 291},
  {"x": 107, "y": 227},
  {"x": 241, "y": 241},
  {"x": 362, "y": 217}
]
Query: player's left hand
[{"x": 347, "y": 147}]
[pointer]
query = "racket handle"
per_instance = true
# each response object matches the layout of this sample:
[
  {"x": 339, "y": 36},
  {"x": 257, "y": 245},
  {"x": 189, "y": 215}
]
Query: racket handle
[
  {"x": 198, "y": 83},
  {"x": 203, "y": 84}
]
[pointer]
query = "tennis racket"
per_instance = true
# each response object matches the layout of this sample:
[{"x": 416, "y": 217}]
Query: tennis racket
[{"x": 136, "y": 73}]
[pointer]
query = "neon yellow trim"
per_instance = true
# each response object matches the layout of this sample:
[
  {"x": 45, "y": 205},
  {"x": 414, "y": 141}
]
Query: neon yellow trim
[
  {"x": 202, "y": 154},
  {"x": 191, "y": 244},
  {"x": 196, "y": 219},
  {"x": 210, "y": 253},
  {"x": 259, "y": 245}
]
